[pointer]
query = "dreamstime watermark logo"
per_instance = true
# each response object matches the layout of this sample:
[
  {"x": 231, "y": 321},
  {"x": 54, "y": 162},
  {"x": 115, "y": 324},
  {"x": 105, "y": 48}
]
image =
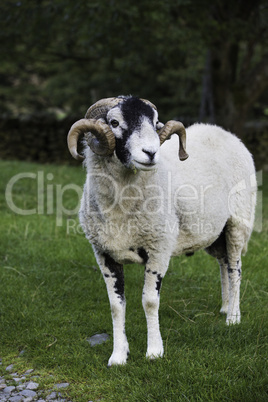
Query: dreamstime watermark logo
[{"x": 194, "y": 203}]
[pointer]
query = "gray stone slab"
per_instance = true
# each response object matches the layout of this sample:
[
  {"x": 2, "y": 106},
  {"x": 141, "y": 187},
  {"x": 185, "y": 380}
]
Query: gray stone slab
[
  {"x": 16, "y": 398},
  {"x": 98, "y": 339},
  {"x": 62, "y": 385},
  {"x": 32, "y": 385},
  {"x": 28, "y": 393},
  {"x": 8, "y": 390}
]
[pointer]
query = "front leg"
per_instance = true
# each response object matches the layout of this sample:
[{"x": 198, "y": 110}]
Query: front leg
[
  {"x": 114, "y": 278},
  {"x": 150, "y": 301}
]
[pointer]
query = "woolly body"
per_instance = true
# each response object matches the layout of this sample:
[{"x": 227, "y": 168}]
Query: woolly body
[{"x": 178, "y": 208}]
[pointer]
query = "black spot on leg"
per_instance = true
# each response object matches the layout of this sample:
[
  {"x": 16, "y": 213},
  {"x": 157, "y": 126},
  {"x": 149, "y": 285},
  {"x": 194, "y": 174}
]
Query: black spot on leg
[
  {"x": 143, "y": 254},
  {"x": 117, "y": 273},
  {"x": 158, "y": 279},
  {"x": 158, "y": 283},
  {"x": 238, "y": 268}
]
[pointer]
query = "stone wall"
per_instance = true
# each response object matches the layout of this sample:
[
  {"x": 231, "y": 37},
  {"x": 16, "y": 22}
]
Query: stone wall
[{"x": 41, "y": 139}]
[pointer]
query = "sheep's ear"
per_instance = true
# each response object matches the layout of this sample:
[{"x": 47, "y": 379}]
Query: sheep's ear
[{"x": 159, "y": 125}]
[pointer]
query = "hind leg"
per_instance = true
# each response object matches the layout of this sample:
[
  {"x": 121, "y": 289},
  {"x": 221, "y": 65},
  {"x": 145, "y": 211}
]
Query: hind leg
[
  {"x": 234, "y": 276},
  {"x": 230, "y": 288},
  {"x": 234, "y": 244},
  {"x": 218, "y": 250},
  {"x": 227, "y": 249},
  {"x": 223, "y": 262}
]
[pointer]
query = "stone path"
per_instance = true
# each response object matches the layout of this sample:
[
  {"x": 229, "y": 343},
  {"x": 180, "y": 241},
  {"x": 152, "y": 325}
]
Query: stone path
[{"x": 25, "y": 388}]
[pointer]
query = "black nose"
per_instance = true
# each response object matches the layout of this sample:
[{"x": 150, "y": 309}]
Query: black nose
[{"x": 149, "y": 153}]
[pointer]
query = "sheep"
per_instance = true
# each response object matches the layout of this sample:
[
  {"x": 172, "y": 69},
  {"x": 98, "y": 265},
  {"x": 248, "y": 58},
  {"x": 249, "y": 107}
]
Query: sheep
[{"x": 143, "y": 204}]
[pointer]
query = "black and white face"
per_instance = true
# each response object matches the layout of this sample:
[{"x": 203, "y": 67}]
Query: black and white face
[{"x": 133, "y": 123}]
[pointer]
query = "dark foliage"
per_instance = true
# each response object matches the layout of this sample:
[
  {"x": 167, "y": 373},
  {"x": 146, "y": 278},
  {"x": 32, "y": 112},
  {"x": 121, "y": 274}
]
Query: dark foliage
[{"x": 195, "y": 60}]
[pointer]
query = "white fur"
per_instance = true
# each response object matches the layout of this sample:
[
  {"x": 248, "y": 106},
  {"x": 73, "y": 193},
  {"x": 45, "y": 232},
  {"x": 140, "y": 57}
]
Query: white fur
[
  {"x": 150, "y": 142},
  {"x": 174, "y": 208}
]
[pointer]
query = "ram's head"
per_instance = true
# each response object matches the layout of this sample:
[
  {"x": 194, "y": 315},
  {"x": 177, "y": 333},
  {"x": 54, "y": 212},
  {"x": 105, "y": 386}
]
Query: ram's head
[{"x": 129, "y": 127}]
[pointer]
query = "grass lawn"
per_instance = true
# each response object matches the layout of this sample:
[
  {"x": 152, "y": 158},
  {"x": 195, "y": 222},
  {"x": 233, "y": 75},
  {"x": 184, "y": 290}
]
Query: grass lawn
[{"x": 53, "y": 298}]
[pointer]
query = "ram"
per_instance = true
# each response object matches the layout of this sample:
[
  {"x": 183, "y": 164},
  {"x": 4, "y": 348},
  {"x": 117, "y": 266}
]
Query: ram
[{"x": 144, "y": 203}]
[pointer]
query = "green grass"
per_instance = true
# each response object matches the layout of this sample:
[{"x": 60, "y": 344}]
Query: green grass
[{"x": 52, "y": 298}]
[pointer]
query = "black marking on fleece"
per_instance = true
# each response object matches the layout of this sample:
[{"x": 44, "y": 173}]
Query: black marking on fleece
[
  {"x": 116, "y": 272},
  {"x": 143, "y": 254},
  {"x": 132, "y": 109},
  {"x": 218, "y": 249},
  {"x": 121, "y": 151}
]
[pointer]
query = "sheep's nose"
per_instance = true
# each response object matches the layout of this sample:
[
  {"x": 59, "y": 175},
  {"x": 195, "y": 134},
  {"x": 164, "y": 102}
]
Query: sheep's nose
[{"x": 150, "y": 154}]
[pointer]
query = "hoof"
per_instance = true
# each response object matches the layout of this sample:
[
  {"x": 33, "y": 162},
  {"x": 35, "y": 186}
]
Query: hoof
[
  {"x": 224, "y": 310},
  {"x": 233, "y": 319},
  {"x": 152, "y": 355},
  {"x": 118, "y": 359}
]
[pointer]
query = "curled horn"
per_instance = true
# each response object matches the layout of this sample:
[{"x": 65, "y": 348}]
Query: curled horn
[
  {"x": 99, "y": 136},
  {"x": 174, "y": 127},
  {"x": 100, "y": 108},
  {"x": 101, "y": 139}
]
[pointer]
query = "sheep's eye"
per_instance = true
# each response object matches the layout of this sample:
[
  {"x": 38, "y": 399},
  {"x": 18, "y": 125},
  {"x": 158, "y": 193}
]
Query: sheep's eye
[{"x": 114, "y": 123}]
